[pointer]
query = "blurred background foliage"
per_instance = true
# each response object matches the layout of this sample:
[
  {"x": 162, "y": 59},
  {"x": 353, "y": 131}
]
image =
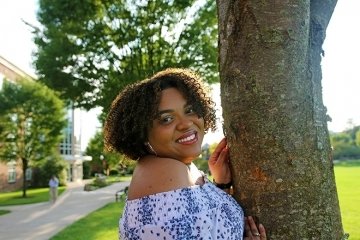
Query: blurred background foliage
[
  {"x": 107, "y": 163},
  {"x": 89, "y": 50},
  {"x": 346, "y": 144}
]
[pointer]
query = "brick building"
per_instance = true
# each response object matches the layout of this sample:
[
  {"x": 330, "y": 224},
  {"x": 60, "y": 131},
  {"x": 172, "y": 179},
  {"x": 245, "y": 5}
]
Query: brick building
[{"x": 11, "y": 175}]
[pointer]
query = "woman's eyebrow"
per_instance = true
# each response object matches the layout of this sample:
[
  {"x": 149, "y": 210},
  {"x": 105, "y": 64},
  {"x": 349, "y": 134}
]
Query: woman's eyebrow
[
  {"x": 164, "y": 111},
  {"x": 186, "y": 105}
]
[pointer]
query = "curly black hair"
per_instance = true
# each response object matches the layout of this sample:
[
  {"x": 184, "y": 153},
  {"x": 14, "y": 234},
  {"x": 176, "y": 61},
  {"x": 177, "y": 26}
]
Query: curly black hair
[{"x": 134, "y": 109}]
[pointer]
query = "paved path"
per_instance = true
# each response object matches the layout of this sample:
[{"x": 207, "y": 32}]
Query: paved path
[{"x": 41, "y": 221}]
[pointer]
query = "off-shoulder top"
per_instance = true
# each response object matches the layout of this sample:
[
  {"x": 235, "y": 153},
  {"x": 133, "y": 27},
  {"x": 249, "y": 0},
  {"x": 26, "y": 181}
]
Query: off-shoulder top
[{"x": 195, "y": 212}]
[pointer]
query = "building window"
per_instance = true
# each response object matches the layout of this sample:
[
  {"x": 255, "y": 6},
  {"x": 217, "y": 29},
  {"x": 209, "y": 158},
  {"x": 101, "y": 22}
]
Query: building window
[
  {"x": 28, "y": 174},
  {"x": 66, "y": 145},
  {"x": 11, "y": 172}
]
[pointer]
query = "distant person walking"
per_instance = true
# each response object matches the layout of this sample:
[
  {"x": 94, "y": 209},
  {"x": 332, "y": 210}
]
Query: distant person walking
[{"x": 53, "y": 184}]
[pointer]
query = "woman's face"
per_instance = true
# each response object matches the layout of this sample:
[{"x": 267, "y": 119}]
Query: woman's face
[{"x": 177, "y": 132}]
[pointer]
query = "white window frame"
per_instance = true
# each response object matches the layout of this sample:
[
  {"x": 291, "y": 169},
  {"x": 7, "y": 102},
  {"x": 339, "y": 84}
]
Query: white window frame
[{"x": 28, "y": 174}]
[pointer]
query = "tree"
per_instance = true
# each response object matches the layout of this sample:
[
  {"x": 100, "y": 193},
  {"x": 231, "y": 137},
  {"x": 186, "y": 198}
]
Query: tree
[
  {"x": 274, "y": 118},
  {"x": 44, "y": 170},
  {"x": 357, "y": 137},
  {"x": 32, "y": 120},
  {"x": 103, "y": 161},
  {"x": 345, "y": 144},
  {"x": 89, "y": 50}
]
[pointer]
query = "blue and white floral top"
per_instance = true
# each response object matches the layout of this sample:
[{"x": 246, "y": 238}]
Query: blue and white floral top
[{"x": 196, "y": 212}]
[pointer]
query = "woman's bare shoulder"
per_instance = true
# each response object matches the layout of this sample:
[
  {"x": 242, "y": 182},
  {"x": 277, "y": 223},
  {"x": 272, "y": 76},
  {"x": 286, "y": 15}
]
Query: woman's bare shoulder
[{"x": 154, "y": 175}]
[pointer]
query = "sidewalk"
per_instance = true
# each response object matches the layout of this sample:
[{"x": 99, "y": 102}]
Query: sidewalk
[{"x": 41, "y": 221}]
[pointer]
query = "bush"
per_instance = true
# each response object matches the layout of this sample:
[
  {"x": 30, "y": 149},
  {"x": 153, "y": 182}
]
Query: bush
[
  {"x": 113, "y": 172},
  {"x": 202, "y": 165},
  {"x": 342, "y": 151},
  {"x": 43, "y": 172},
  {"x": 89, "y": 187},
  {"x": 86, "y": 170},
  {"x": 100, "y": 181}
]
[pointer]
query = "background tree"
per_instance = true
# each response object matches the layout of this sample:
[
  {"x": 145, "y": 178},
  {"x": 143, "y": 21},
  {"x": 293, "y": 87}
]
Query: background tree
[
  {"x": 274, "y": 118},
  {"x": 32, "y": 118},
  {"x": 202, "y": 161},
  {"x": 357, "y": 137},
  {"x": 346, "y": 144},
  {"x": 89, "y": 49},
  {"x": 43, "y": 171},
  {"x": 110, "y": 161}
]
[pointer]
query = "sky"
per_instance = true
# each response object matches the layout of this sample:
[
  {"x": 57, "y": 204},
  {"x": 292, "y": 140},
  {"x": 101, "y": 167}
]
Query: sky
[{"x": 340, "y": 65}]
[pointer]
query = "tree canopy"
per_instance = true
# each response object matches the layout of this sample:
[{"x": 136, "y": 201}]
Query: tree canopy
[
  {"x": 32, "y": 118},
  {"x": 110, "y": 161},
  {"x": 90, "y": 49}
]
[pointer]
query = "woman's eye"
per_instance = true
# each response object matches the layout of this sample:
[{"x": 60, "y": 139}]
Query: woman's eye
[
  {"x": 166, "y": 119},
  {"x": 190, "y": 110}
]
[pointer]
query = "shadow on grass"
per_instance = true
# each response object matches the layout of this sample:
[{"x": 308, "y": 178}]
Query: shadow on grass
[{"x": 347, "y": 163}]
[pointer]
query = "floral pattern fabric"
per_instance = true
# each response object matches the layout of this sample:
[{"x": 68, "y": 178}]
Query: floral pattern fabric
[{"x": 196, "y": 212}]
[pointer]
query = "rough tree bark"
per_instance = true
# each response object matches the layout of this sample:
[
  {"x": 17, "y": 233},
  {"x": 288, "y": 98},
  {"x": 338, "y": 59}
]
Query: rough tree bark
[{"x": 274, "y": 117}]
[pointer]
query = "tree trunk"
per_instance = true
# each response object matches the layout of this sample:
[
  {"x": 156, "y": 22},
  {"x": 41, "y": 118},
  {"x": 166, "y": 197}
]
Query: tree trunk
[
  {"x": 274, "y": 118},
  {"x": 24, "y": 167}
]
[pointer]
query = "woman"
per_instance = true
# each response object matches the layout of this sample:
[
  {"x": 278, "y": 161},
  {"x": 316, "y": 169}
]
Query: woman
[
  {"x": 161, "y": 122},
  {"x": 53, "y": 184}
]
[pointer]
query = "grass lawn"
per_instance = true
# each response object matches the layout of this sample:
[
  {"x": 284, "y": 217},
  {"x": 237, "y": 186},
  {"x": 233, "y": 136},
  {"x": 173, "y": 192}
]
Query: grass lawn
[
  {"x": 33, "y": 196},
  {"x": 113, "y": 179},
  {"x": 2, "y": 212},
  {"x": 100, "y": 225},
  {"x": 348, "y": 186}
]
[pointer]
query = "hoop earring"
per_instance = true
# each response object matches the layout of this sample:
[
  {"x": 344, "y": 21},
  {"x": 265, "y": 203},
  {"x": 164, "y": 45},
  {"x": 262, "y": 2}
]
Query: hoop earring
[{"x": 150, "y": 148}]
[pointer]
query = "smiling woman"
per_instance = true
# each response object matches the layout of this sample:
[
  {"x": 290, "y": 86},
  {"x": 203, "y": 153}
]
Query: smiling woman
[{"x": 161, "y": 122}]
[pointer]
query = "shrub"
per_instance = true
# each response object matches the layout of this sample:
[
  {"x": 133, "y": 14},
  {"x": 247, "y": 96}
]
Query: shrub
[
  {"x": 100, "y": 182},
  {"x": 43, "y": 172},
  {"x": 113, "y": 172}
]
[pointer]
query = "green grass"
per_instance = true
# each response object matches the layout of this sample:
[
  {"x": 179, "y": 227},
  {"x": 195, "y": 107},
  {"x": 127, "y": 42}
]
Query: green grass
[
  {"x": 126, "y": 178},
  {"x": 33, "y": 196},
  {"x": 113, "y": 179},
  {"x": 100, "y": 225},
  {"x": 348, "y": 186},
  {"x": 2, "y": 212}
]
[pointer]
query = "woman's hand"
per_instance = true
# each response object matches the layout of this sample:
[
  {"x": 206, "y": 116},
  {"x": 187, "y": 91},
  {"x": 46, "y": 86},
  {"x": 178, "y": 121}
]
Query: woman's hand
[
  {"x": 253, "y": 232},
  {"x": 219, "y": 163}
]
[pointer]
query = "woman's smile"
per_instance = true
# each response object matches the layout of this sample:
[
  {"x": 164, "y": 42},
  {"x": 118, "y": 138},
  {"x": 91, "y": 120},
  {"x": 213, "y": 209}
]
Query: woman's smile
[{"x": 188, "y": 138}]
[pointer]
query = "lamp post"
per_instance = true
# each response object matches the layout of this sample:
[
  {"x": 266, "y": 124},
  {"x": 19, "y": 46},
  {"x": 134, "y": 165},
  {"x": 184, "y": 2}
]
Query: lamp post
[{"x": 104, "y": 165}]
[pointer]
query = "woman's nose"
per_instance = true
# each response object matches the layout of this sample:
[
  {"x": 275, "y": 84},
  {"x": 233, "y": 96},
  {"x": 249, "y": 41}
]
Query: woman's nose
[{"x": 184, "y": 123}]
